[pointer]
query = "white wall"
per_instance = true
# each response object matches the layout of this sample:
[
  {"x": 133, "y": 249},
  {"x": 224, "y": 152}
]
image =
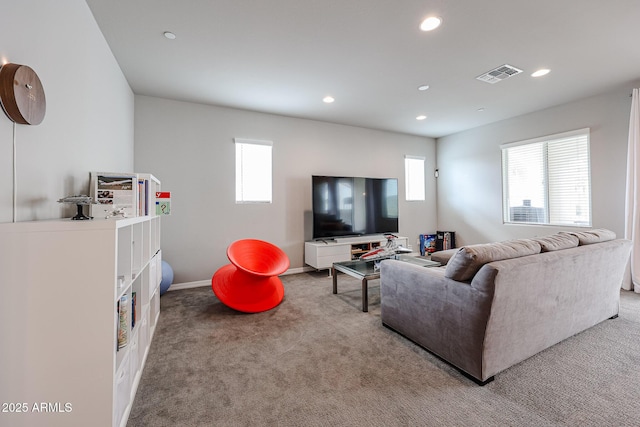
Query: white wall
[
  {"x": 89, "y": 120},
  {"x": 469, "y": 190},
  {"x": 89, "y": 125},
  {"x": 189, "y": 147}
]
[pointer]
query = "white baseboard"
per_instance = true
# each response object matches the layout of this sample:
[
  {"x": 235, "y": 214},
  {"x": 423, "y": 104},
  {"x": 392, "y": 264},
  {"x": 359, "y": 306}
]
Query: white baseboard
[
  {"x": 199, "y": 283},
  {"x": 189, "y": 285},
  {"x": 298, "y": 270}
]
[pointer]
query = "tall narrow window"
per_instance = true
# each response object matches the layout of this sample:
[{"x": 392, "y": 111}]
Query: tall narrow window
[
  {"x": 414, "y": 177},
  {"x": 547, "y": 180},
  {"x": 253, "y": 171}
]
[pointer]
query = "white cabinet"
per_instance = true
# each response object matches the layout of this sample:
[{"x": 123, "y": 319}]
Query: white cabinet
[
  {"x": 62, "y": 282},
  {"x": 322, "y": 254}
]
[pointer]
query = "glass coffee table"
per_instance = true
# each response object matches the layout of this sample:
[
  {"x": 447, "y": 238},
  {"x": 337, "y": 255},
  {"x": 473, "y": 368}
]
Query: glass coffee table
[{"x": 370, "y": 270}]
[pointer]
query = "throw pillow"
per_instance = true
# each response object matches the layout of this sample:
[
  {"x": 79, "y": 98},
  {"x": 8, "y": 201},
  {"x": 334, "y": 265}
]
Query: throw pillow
[{"x": 465, "y": 263}]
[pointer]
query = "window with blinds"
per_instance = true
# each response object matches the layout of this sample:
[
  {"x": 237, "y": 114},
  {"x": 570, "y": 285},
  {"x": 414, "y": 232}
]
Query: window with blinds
[
  {"x": 414, "y": 178},
  {"x": 547, "y": 180},
  {"x": 253, "y": 171}
]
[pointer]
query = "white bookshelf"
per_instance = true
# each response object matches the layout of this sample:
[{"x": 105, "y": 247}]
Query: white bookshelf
[{"x": 61, "y": 282}]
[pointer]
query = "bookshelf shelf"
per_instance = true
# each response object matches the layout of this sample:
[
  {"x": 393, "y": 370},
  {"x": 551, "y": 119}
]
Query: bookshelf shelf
[{"x": 62, "y": 307}]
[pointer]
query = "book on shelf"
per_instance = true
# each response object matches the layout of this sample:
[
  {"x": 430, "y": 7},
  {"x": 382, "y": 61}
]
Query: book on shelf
[
  {"x": 118, "y": 326},
  {"x": 148, "y": 187},
  {"x": 116, "y": 194},
  {"x": 133, "y": 310},
  {"x": 143, "y": 197},
  {"x": 123, "y": 324}
]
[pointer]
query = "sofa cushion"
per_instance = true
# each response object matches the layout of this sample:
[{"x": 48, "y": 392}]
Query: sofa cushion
[
  {"x": 443, "y": 257},
  {"x": 557, "y": 241},
  {"x": 465, "y": 263},
  {"x": 589, "y": 237}
]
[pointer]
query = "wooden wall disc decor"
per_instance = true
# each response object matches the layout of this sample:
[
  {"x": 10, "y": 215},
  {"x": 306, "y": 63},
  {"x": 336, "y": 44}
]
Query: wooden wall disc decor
[{"x": 22, "y": 94}]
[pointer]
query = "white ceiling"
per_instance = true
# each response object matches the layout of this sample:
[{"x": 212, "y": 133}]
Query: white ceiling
[{"x": 284, "y": 56}]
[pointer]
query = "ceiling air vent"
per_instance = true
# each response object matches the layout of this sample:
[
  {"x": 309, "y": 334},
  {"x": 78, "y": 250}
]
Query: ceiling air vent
[{"x": 498, "y": 74}]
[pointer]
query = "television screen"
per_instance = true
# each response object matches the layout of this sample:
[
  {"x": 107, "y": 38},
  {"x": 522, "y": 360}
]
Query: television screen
[{"x": 351, "y": 206}]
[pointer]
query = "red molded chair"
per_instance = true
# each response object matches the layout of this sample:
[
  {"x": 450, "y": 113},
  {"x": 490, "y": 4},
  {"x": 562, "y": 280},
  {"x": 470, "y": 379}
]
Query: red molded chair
[{"x": 250, "y": 283}]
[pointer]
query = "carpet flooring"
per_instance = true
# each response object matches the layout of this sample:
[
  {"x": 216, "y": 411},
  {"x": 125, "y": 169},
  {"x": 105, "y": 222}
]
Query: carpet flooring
[{"x": 317, "y": 360}]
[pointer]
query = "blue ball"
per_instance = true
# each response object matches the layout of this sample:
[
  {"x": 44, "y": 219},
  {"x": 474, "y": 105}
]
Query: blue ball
[{"x": 167, "y": 277}]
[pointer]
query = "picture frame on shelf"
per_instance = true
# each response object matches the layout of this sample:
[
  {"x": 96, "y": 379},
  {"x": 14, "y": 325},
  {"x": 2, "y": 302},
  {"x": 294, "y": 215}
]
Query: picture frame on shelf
[{"x": 116, "y": 194}]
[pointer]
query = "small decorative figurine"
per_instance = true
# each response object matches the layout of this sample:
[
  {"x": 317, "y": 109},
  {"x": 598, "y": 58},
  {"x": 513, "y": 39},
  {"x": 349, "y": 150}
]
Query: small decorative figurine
[
  {"x": 115, "y": 212},
  {"x": 79, "y": 201},
  {"x": 389, "y": 250}
]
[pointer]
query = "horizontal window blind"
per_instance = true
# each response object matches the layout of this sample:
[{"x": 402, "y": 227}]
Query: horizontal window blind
[
  {"x": 569, "y": 181},
  {"x": 547, "y": 180}
]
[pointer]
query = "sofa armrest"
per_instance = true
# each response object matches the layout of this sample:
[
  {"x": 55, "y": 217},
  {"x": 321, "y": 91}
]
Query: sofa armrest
[
  {"x": 443, "y": 257},
  {"x": 444, "y": 316}
]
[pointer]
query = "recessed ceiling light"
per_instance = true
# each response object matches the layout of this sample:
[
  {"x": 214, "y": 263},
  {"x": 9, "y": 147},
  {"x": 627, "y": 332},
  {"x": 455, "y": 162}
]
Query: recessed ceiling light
[
  {"x": 540, "y": 73},
  {"x": 431, "y": 23},
  {"x": 421, "y": 117},
  {"x": 169, "y": 35},
  {"x": 423, "y": 87},
  {"x": 328, "y": 99}
]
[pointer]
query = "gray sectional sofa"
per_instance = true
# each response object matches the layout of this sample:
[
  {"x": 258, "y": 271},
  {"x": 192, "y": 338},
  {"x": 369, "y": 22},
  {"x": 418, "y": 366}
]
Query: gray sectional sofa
[{"x": 494, "y": 305}]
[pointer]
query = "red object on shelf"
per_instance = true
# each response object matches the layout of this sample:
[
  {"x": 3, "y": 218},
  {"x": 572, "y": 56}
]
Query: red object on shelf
[{"x": 250, "y": 283}]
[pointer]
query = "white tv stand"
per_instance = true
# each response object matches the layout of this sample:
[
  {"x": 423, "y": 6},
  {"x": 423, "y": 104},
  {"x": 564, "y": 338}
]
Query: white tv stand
[{"x": 321, "y": 254}]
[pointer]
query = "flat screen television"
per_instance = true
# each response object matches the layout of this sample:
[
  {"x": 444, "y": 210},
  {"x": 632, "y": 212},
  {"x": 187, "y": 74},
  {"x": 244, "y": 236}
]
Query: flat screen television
[{"x": 353, "y": 206}]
